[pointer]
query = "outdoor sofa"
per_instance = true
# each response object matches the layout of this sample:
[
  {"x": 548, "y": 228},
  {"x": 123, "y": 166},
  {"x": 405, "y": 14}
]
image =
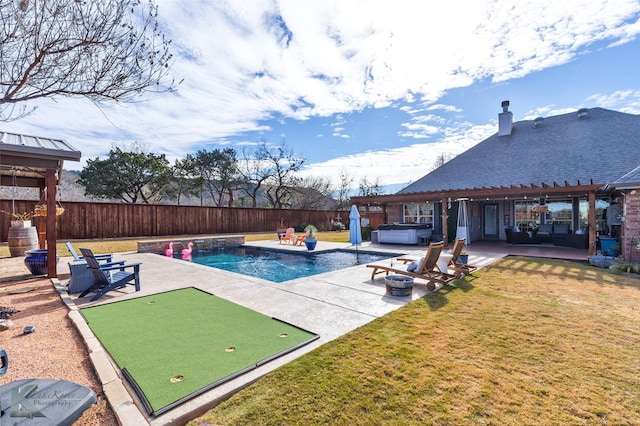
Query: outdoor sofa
[
  {"x": 516, "y": 236},
  {"x": 579, "y": 239}
]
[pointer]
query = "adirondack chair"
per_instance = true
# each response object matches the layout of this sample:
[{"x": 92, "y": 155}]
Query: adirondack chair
[
  {"x": 100, "y": 257},
  {"x": 81, "y": 277},
  {"x": 289, "y": 237},
  {"x": 109, "y": 276}
]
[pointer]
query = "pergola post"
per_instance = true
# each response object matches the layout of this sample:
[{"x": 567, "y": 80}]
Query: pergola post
[
  {"x": 50, "y": 223},
  {"x": 592, "y": 223},
  {"x": 445, "y": 231},
  {"x": 42, "y": 221}
]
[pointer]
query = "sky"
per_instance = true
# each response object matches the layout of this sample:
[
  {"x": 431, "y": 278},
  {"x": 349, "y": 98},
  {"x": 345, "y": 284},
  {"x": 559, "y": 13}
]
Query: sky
[{"x": 378, "y": 90}]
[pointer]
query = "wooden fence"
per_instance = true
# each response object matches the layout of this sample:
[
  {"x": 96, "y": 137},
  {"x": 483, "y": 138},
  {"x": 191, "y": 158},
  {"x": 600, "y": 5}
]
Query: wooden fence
[{"x": 82, "y": 220}]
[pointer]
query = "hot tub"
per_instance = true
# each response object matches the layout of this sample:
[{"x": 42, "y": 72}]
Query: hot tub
[{"x": 403, "y": 233}]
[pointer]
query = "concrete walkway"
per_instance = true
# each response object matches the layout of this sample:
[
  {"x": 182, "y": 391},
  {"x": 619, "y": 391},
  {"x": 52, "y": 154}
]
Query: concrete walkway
[{"x": 329, "y": 304}]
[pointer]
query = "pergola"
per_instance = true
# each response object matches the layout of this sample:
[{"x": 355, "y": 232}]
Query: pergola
[
  {"x": 36, "y": 162},
  {"x": 540, "y": 190}
]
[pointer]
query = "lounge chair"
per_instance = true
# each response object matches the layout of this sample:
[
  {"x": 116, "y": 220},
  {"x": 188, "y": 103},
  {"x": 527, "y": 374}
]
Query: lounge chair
[
  {"x": 289, "y": 237},
  {"x": 426, "y": 270},
  {"x": 109, "y": 276},
  {"x": 455, "y": 264},
  {"x": 81, "y": 277}
]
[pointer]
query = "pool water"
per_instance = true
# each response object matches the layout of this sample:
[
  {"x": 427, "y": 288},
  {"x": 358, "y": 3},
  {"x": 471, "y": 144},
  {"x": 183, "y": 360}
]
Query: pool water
[{"x": 280, "y": 266}]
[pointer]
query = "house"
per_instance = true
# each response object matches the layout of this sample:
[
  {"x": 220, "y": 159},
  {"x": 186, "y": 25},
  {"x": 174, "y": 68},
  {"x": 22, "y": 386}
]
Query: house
[{"x": 549, "y": 178}]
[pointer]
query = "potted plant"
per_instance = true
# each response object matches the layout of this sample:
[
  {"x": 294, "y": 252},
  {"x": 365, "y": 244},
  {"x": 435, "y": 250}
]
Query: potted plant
[
  {"x": 41, "y": 210},
  {"x": 22, "y": 220},
  {"x": 310, "y": 238}
]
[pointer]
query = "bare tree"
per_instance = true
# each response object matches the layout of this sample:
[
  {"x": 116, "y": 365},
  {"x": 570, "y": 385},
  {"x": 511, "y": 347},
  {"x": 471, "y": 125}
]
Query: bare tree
[
  {"x": 313, "y": 193},
  {"x": 103, "y": 50},
  {"x": 367, "y": 188},
  {"x": 282, "y": 179},
  {"x": 342, "y": 194},
  {"x": 254, "y": 171},
  {"x": 441, "y": 159}
]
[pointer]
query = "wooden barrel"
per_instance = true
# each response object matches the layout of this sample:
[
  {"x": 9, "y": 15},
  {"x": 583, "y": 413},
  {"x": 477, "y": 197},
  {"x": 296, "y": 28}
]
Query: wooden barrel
[{"x": 22, "y": 239}]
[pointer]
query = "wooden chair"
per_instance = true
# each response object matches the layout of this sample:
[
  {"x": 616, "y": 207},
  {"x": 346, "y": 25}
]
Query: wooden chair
[
  {"x": 289, "y": 237},
  {"x": 427, "y": 269},
  {"x": 300, "y": 239},
  {"x": 455, "y": 264},
  {"x": 109, "y": 276}
]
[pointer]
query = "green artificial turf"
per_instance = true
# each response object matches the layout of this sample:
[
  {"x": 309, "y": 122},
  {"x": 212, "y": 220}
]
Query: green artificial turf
[{"x": 175, "y": 345}]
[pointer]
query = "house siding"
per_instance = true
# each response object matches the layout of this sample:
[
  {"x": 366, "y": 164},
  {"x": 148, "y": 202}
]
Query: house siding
[
  {"x": 631, "y": 229},
  {"x": 395, "y": 213}
]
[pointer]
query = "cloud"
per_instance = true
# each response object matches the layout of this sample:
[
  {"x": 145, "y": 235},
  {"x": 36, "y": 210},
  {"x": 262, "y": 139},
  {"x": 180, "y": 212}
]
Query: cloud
[
  {"x": 629, "y": 98},
  {"x": 406, "y": 164},
  {"x": 246, "y": 63}
]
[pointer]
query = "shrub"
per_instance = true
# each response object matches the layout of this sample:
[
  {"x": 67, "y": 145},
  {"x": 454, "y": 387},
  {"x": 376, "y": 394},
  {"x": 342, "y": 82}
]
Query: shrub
[
  {"x": 624, "y": 266},
  {"x": 338, "y": 226}
]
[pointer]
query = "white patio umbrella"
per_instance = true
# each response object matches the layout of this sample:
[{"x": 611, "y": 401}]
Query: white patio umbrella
[
  {"x": 462, "y": 231},
  {"x": 355, "y": 233}
]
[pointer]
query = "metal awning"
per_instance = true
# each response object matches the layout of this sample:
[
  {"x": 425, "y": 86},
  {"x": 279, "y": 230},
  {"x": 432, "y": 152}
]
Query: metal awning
[
  {"x": 32, "y": 161},
  {"x": 25, "y": 159}
]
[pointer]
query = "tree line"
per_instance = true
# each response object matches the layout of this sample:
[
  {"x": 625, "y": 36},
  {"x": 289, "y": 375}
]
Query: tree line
[
  {"x": 264, "y": 176},
  {"x": 116, "y": 51}
]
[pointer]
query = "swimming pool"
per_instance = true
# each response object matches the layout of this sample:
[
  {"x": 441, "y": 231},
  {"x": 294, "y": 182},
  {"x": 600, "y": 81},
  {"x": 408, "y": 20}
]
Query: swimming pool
[{"x": 280, "y": 266}]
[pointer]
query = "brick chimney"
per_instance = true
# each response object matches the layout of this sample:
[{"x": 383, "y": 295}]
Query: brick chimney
[{"x": 505, "y": 120}]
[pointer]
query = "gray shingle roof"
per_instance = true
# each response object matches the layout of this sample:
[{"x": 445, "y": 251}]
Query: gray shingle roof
[{"x": 602, "y": 147}]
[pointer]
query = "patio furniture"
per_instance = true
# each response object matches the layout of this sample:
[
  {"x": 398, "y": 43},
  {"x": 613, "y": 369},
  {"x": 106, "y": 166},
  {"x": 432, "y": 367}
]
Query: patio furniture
[
  {"x": 109, "y": 276},
  {"x": 398, "y": 285},
  {"x": 544, "y": 233},
  {"x": 100, "y": 257},
  {"x": 516, "y": 236},
  {"x": 427, "y": 268},
  {"x": 81, "y": 277},
  {"x": 560, "y": 232},
  {"x": 460, "y": 268},
  {"x": 299, "y": 239},
  {"x": 289, "y": 236},
  {"x": 579, "y": 239}
]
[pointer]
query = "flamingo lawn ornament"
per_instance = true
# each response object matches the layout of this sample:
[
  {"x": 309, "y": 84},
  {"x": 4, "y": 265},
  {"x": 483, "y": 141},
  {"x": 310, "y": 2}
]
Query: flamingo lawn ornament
[
  {"x": 187, "y": 251},
  {"x": 169, "y": 252}
]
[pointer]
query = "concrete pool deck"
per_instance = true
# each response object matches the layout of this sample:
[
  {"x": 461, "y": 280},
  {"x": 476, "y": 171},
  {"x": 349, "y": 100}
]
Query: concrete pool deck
[{"x": 329, "y": 304}]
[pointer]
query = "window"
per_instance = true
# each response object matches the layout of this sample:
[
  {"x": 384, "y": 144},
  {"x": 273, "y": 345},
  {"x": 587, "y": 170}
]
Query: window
[
  {"x": 418, "y": 213},
  {"x": 527, "y": 215},
  {"x": 560, "y": 212},
  {"x": 601, "y": 220}
]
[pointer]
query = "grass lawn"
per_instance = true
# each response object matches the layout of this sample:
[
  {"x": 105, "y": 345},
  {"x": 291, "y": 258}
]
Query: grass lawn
[{"x": 524, "y": 341}]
